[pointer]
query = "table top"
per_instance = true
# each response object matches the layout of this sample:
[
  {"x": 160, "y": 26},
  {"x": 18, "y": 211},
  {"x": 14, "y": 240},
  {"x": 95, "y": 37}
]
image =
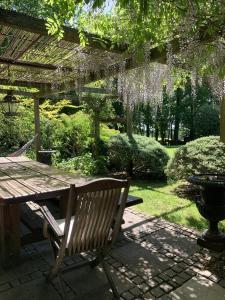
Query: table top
[{"x": 23, "y": 179}]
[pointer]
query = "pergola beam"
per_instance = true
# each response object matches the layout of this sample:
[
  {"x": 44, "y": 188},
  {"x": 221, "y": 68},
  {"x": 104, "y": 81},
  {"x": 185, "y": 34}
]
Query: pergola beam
[
  {"x": 35, "y": 65},
  {"x": 35, "y": 25},
  {"x": 18, "y": 93},
  {"x": 23, "y": 83}
]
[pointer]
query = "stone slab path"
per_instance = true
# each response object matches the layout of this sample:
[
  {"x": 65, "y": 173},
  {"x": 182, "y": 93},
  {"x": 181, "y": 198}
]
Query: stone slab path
[{"x": 152, "y": 259}]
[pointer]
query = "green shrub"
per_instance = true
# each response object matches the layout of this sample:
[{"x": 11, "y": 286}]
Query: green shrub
[
  {"x": 84, "y": 164},
  {"x": 139, "y": 156},
  {"x": 204, "y": 155},
  {"x": 72, "y": 135},
  {"x": 107, "y": 132}
]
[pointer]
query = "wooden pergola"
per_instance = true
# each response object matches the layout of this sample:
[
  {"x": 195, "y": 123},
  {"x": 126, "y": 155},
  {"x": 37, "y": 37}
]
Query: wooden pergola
[{"x": 32, "y": 59}]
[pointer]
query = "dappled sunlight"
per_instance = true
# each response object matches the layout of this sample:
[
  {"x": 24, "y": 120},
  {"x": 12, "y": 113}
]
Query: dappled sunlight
[{"x": 199, "y": 288}]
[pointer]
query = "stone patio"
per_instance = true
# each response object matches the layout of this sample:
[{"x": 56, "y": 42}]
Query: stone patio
[{"x": 153, "y": 259}]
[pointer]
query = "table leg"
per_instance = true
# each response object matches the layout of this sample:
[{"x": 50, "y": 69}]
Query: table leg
[{"x": 9, "y": 233}]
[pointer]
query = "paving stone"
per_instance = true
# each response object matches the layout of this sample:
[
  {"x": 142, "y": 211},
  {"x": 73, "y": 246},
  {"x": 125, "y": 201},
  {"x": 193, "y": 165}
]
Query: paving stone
[
  {"x": 190, "y": 272},
  {"x": 169, "y": 255},
  {"x": 148, "y": 296},
  {"x": 215, "y": 278},
  {"x": 177, "y": 269},
  {"x": 177, "y": 259},
  {"x": 158, "y": 279},
  {"x": 151, "y": 282},
  {"x": 145, "y": 267},
  {"x": 36, "y": 274},
  {"x": 4, "y": 287},
  {"x": 182, "y": 265},
  {"x": 165, "y": 297},
  {"x": 199, "y": 288},
  {"x": 164, "y": 277},
  {"x": 130, "y": 274},
  {"x": 132, "y": 221},
  {"x": 157, "y": 292},
  {"x": 170, "y": 273},
  {"x": 185, "y": 275},
  {"x": 173, "y": 283},
  {"x": 97, "y": 281},
  {"x": 142, "y": 261},
  {"x": 137, "y": 280},
  {"x": 143, "y": 287},
  {"x": 122, "y": 269},
  {"x": 135, "y": 291},
  {"x": 205, "y": 273},
  {"x": 179, "y": 280},
  {"x": 25, "y": 278},
  {"x": 188, "y": 261},
  {"x": 166, "y": 287},
  {"x": 222, "y": 283},
  {"x": 35, "y": 290},
  {"x": 15, "y": 282},
  {"x": 128, "y": 296},
  {"x": 44, "y": 268}
]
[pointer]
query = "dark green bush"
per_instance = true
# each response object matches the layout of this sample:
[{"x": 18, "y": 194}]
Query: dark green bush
[
  {"x": 204, "y": 155},
  {"x": 140, "y": 156}
]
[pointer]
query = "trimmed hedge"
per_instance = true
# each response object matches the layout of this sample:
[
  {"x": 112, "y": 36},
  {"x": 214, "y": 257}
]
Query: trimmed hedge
[
  {"x": 204, "y": 155},
  {"x": 139, "y": 156}
]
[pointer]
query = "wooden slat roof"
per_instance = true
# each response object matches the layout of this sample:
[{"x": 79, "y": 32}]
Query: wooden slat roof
[{"x": 30, "y": 57}]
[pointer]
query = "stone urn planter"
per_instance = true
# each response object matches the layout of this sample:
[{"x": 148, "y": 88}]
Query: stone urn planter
[{"x": 211, "y": 206}]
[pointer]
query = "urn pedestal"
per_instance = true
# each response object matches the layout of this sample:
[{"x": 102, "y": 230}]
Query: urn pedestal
[{"x": 211, "y": 206}]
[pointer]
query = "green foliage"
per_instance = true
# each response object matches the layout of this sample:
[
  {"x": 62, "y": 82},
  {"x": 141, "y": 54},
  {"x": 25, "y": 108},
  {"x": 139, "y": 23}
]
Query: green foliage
[
  {"x": 16, "y": 131},
  {"x": 107, "y": 132},
  {"x": 204, "y": 155},
  {"x": 85, "y": 164},
  {"x": 190, "y": 112},
  {"x": 139, "y": 155},
  {"x": 72, "y": 134},
  {"x": 207, "y": 120}
]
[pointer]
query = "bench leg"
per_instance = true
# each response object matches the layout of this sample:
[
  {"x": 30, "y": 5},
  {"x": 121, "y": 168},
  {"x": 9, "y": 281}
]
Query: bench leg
[{"x": 9, "y": 234}]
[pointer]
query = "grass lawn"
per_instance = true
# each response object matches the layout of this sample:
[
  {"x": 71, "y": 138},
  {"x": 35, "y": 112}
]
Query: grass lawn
[
  {"x": 171, "y": 150},
  {"x": 159, "y": 200}
]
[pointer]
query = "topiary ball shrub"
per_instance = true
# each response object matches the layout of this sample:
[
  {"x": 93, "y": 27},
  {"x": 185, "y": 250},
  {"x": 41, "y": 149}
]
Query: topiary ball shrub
[
  {"x": 139, "y": 155},
  {"x": 204, "y": 155}
]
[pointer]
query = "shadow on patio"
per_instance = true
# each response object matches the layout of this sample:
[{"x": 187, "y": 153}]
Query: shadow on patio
[{"x": 151, "y": 259}]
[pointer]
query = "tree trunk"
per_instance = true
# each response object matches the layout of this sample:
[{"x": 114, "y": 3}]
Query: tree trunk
[
  {"x": 222, "y": 120},
  {"x": 177, "y": 118},
  {"x": 148, "y": 130},
  {"x": 129, "y": 120},
  {"x": 192, "y": 121}
]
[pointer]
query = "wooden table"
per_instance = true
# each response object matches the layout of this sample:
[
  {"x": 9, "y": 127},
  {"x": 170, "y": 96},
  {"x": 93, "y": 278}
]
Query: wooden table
[{"x": 23, "y": 180}]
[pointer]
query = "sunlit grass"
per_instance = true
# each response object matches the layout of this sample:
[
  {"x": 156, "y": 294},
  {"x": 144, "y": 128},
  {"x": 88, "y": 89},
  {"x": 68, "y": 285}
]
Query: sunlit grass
[
  {"x": 159, "y": 200},
  {"x": 171, "y": 150}
]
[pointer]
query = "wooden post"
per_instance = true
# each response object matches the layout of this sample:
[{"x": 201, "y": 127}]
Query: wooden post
[
  {"x": 37, "y": 126},
  {"x": 222, "y": 120}
]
